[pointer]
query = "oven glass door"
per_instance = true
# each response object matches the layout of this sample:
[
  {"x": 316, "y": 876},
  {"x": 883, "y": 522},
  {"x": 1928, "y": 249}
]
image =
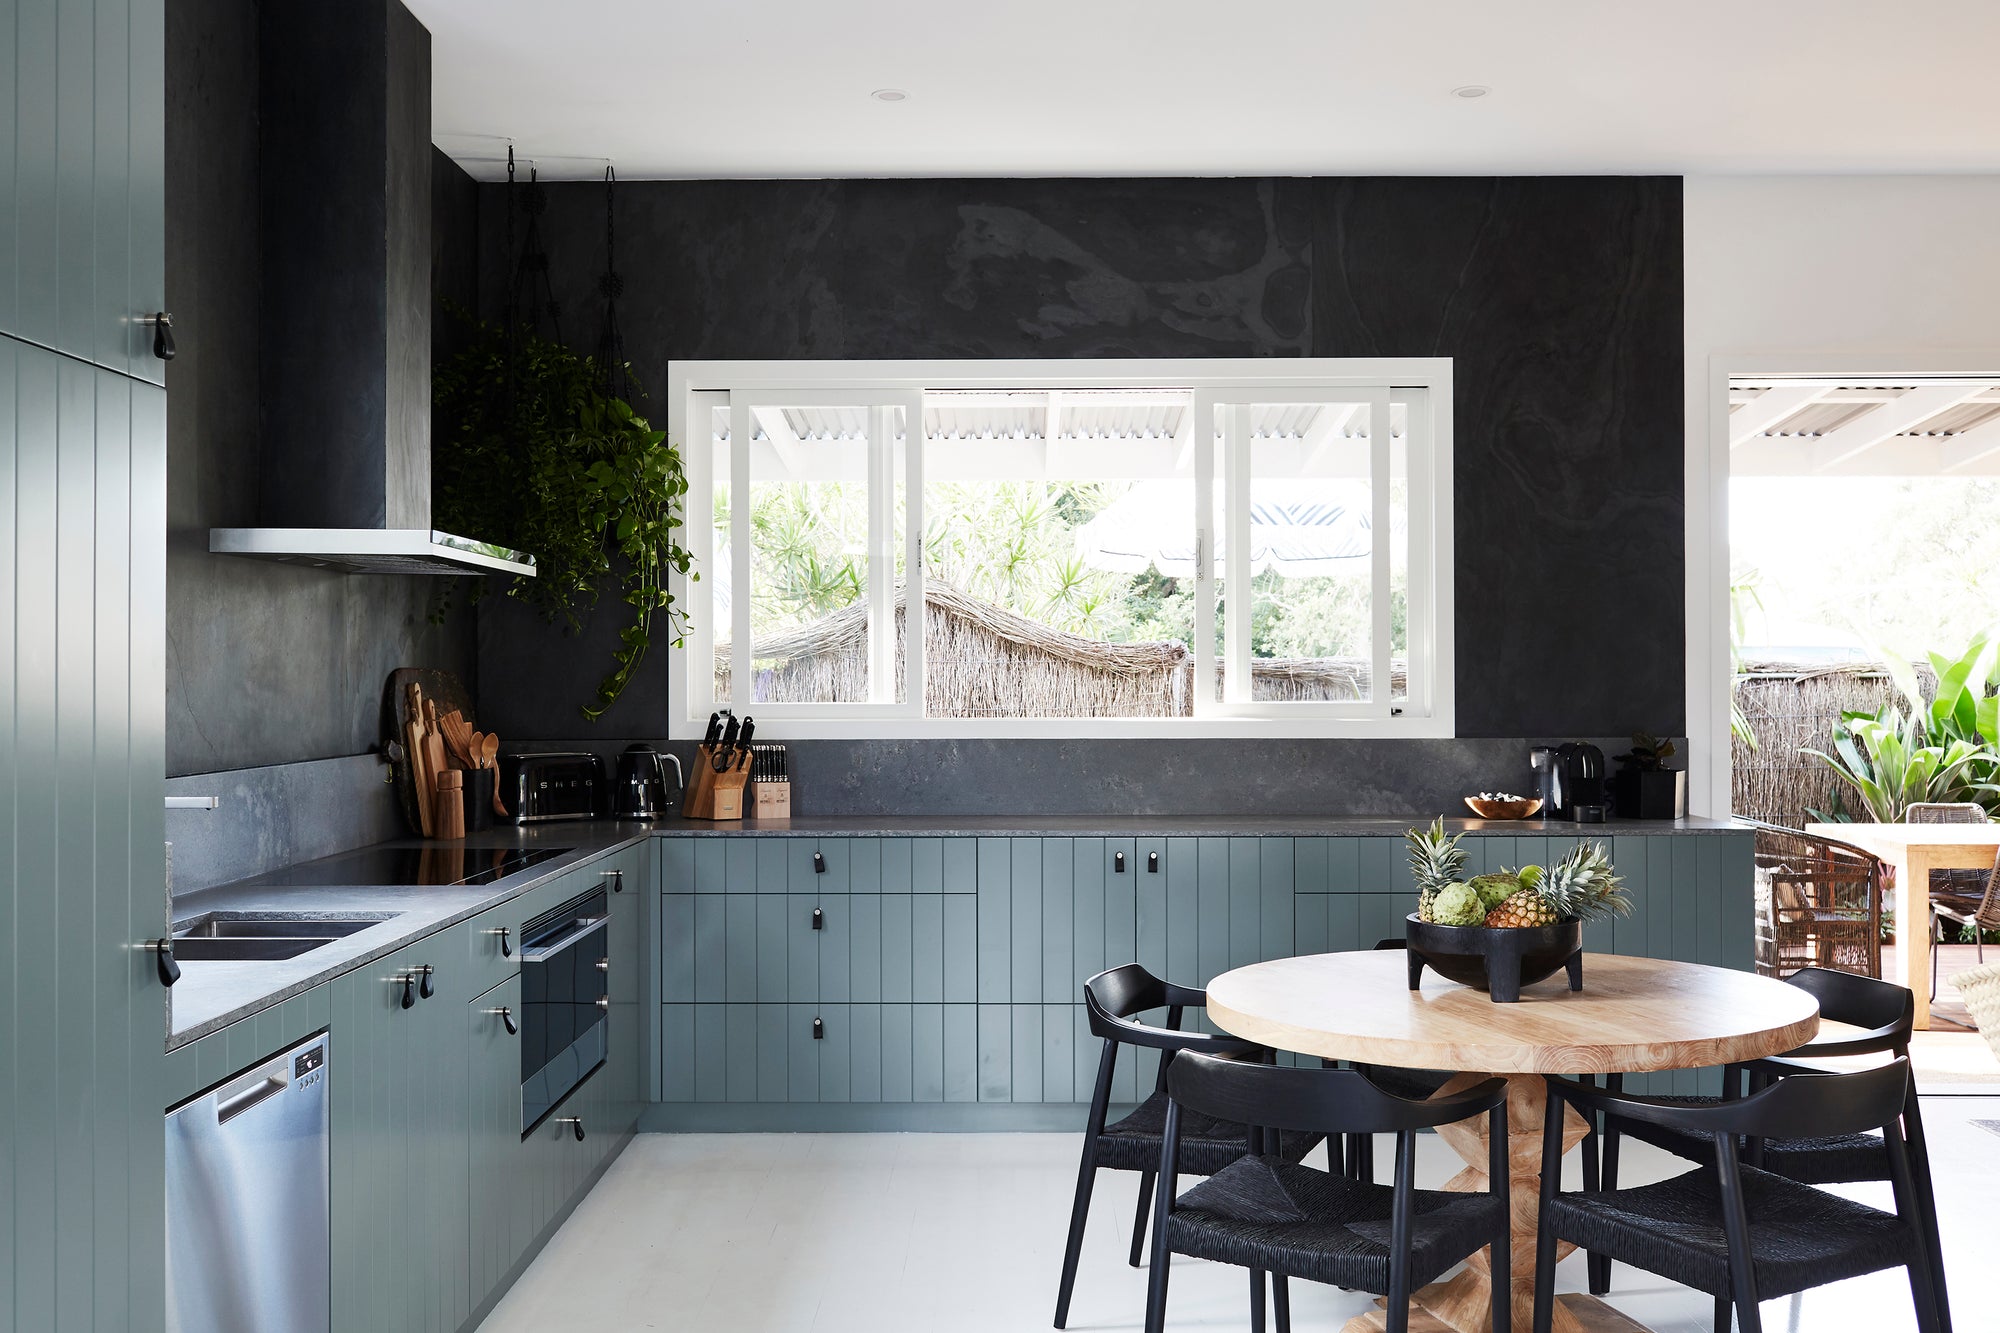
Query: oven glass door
[{"x": 564, "y": 1003}]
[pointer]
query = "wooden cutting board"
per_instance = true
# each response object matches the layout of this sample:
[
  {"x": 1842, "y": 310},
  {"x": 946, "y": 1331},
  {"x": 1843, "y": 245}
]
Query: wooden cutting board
[{"x": 442, "y": 687}]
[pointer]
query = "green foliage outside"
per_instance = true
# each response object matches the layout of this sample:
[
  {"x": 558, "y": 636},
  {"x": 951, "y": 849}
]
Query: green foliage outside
[{"x": 1011, "y": 544}]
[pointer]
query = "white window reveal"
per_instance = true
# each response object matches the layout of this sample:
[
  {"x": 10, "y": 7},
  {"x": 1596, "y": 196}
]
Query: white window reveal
[{"x": 1082, "y": 548}]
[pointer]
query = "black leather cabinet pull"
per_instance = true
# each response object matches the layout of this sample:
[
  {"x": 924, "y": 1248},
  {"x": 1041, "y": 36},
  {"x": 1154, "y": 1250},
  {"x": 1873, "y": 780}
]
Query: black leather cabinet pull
[
  {"x": 1152, "y": 863},
  {"x": 819, "y": 1029},
  {"x": 819, "y": 919},
  {"x": 819, "y": 863},
  {"x": 1118, "y": 863}
]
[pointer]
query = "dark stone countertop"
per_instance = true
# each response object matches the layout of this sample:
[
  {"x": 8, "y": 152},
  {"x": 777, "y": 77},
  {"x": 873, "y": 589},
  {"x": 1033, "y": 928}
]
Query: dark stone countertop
[
  {"x": 1188, "y": 826},
  {"x": 212, "y": 995}
]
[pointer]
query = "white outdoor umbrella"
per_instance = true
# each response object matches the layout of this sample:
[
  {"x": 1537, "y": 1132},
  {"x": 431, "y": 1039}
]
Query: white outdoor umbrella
[{"x": 1299, "y": 528}]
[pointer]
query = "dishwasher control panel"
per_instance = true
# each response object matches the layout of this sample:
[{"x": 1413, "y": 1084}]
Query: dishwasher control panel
[{"x": 308, "y": 1062}]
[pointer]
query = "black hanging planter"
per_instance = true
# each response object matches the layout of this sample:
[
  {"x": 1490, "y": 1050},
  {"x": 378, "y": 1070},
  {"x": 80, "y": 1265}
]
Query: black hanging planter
[{"x": 1496, "y": 959}]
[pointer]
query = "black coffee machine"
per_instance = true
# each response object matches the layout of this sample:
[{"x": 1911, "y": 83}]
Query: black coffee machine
[{"x": 1579, "y": 783}]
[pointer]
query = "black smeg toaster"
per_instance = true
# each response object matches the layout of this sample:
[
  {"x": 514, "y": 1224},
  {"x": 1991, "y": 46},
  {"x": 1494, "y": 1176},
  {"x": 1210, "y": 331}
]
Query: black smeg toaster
[{"x": 544, "y": 786}]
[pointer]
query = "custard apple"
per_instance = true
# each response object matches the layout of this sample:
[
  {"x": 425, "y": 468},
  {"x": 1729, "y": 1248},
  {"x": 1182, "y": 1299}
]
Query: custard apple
[
  {"x": 1495, "y": 888},
  {"x": 1458, "y": 905}
]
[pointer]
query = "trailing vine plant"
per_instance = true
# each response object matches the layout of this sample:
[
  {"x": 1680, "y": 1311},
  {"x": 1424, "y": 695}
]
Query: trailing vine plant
[{"x": 529, "y": 451}]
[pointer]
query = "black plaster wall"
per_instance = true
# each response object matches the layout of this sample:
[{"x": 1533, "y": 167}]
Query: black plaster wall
[
  {"x": 1559, "y": 300},
  {"x": 266, "y": 663}
]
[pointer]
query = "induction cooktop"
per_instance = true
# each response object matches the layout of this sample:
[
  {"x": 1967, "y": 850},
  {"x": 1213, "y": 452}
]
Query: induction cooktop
[{"x": 434, "y": 866}]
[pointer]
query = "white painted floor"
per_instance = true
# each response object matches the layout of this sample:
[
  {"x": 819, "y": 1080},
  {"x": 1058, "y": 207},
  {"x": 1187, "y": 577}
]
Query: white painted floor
[{"x": 895, "y": 1233}]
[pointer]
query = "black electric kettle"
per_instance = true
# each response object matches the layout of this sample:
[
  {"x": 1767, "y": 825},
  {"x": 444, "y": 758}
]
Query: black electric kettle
[{"x": 641, "y": 790}]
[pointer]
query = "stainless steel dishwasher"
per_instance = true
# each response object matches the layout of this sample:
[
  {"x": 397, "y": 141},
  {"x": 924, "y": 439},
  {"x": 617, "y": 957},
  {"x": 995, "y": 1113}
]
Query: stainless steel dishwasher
[{"x": 248, "y": 1238}]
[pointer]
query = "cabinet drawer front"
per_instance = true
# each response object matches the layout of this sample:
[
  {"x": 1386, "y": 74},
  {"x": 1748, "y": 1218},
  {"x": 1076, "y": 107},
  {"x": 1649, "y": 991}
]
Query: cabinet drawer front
[{"x": 492, "y": 950}]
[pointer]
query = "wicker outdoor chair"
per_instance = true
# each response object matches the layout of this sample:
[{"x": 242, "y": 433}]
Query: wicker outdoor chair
[{"x": 1823, "y": 903}]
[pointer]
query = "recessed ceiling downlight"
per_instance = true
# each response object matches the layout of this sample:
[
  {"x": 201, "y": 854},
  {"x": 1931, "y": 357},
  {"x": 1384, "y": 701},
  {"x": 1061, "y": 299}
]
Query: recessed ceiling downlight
[
  {"x": 889, "y": 95},
  {"x": 1469, "y": 91}
]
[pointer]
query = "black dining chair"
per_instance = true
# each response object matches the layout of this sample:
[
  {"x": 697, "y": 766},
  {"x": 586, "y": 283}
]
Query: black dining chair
[
  {"x": 1358, "y": 1150},
  {"x": 1729, "y": 1229},
  {"x": 1112, "y": 999},
  {"x": 1272, "y": 1215},
  {"x": 1885, "y": 1013}
]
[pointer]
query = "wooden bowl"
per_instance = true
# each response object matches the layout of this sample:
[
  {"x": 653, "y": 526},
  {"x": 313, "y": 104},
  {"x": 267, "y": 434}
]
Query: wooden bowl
[{"x": 1525, "y": 808}]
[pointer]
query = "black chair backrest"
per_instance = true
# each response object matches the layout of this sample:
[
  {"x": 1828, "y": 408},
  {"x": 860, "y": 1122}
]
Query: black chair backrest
[
  {"x": 1863, "y": 1002},
  {"x": 1333, "y": 1101},
  {"x": 1802, "y": 1105},
  {"x": 1380, "y": 945},
  {"x": 1112, "y": 997}
]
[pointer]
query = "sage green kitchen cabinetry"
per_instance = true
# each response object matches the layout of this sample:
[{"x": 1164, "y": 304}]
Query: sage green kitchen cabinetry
[
  {"x": 82, "y": 180},
  {"x": 950, "y": 970},
  {"x": 502, "y": 1228},
  {"x": 398, "y": 1142}
]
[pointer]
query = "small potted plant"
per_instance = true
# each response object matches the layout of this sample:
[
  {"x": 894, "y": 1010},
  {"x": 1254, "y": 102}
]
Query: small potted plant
[
  {"x": 1644, "y": 787},
  {"x": 1501, "y": 931}
]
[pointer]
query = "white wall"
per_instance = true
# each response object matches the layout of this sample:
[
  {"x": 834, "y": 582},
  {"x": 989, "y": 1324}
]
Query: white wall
[{"x": 1813, "y": 274}]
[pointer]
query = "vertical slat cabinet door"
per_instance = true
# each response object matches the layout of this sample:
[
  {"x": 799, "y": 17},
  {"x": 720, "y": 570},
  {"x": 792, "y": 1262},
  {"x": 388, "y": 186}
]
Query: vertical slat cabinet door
[
  {"x": 1060, "y": 978},
  {"x": 1149, "y": 871},
  {"x": 1121, "y": 946},
  {"x": 996, "y": 908},
  {"x": 82, "y": 526},
  {"x": 1183, "y": 919},
  {"x": 1024, "y": 972},
  {"x": 1087, "y": 912},
  {"x": 1212, "y": 909},
  {"x": 440, "y": 1153},
  {"x": 1277, "y": 886},
  {"x": 624, "y": 1063},
  {"x": 373, "y": 1120}
]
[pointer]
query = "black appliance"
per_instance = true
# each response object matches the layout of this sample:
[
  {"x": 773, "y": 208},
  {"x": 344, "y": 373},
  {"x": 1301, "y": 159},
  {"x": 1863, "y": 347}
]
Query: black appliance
[
  {"x": 544, "y": 786},
  {"x": 1579, "y": 782},
  {"x": 565, "y": 1002},
  {"x": 432, "y": 865},
  {"x": 640, "y": 789}
]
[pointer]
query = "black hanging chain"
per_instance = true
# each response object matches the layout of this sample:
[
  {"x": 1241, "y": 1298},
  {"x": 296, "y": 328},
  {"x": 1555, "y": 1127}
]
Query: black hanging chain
[
  {"x": 532, "y": 299},
  {"x": 611, "y": 343}
]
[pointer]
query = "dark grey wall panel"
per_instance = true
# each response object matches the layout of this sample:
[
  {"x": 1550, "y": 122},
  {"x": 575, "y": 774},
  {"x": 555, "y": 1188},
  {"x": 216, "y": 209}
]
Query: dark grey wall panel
[
  {"x": 1559, "y": 300},
  {"x": 267, "y": 663}
]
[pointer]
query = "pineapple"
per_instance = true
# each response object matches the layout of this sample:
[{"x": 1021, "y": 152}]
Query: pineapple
[
  {"x": 1523, "y": 908},
  {"x": 1581, "y": 886},
  {"x": 1436, "y": 860}
]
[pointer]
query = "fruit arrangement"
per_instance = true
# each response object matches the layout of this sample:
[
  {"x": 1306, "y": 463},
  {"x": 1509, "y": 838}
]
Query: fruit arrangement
[{"x": 1579, "y": 887}]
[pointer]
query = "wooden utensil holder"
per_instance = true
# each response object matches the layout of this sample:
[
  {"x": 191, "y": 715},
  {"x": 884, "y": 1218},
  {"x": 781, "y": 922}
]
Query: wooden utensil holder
[{"x": 713, "y": 795}]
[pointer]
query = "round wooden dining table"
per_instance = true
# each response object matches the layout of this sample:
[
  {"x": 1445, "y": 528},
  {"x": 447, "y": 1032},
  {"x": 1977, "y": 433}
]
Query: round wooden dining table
[{"x": 1633, "y": 1015}]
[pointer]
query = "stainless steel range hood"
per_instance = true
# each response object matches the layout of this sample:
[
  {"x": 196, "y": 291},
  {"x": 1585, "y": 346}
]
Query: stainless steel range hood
[
  {"x": 344, "y": 163},
  {"x": 373, "y": 550}
]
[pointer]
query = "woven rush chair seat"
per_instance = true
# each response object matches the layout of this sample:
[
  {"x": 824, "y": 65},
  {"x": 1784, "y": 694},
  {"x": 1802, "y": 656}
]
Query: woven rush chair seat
[
  {"x": 1800, "y": 1237},
  {"x": 1207, "y": 1144},
  {"x": 1835, "y": 1159},
  {"x": 1273, "y": 1216}
]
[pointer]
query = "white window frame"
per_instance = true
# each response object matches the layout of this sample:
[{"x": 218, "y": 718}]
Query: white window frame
[{"x": 1215, "y": 384}]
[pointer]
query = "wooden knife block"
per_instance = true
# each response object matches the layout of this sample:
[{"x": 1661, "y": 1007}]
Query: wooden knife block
[{"x": 713, "y": 795}]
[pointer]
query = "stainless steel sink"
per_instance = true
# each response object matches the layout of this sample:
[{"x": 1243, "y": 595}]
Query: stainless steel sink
[{"x": 227, "y": 937}]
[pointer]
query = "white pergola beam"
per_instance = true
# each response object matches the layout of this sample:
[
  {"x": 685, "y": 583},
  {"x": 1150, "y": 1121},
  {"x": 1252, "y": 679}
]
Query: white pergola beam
[
  {"x": 1971, "y": 448},
  {"x": 1327, "y": 433},
  {"x": 1771, "y": 407},
  {"x": 1886, "y": 422}
]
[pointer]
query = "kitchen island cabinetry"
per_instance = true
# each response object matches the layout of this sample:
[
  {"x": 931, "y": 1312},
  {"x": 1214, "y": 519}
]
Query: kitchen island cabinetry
[{"x": 939, "y": 984}]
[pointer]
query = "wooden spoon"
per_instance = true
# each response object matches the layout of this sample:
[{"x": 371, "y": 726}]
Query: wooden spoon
[{"x": 488, "y": 751}]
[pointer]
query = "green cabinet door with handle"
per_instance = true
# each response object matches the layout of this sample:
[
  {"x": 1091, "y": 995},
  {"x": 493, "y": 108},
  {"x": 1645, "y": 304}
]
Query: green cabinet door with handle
[
  {"x": 502, "y": 1228},
  {"x": 398, "y": 1143}
]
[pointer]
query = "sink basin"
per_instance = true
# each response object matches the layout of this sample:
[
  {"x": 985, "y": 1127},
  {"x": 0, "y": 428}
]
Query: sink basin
[
  {"x": 220, "y": 937},
  {"x": 215, "y": 926}
]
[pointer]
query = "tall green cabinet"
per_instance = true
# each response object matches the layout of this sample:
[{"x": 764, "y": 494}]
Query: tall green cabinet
[{"x": 82, "y": 689}]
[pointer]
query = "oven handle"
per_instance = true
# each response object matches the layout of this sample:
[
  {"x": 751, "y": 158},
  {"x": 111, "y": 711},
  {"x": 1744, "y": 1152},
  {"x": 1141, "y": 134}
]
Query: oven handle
[{"x": 542, "y": 953}]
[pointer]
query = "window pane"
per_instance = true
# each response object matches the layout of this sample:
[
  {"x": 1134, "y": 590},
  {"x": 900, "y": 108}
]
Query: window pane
[
  {"x": 1399, "y": 553},
  {"x": 1310, "y": 552},
  {"x": 1059, "y": 554},
  {"x": 718, "y": 576},
  {"x": 809, "y": 549}
]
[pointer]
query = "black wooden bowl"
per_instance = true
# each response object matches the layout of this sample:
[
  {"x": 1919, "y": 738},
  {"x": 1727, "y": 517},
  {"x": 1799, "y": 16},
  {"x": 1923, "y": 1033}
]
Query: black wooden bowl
[{"x": 1496, "y": 959}]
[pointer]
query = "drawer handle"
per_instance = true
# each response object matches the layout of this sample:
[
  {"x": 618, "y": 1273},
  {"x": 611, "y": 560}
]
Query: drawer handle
[
  {"x": 1118, "y": 863},
  {"x": 409, "y": 980},
  {"x": 819, "y": 863},
  {"x": 603, "y": 964},
  {"x": 425, "y": 989},
  {"x": 575, "y": 1123},
  {"x": 163, "y": 959},
  {"x": 506, "y": 935},
  {"x": 617, "y": 878},
  {"x": 163, "y": 334},
  {"x": 1152, "y": 863},
  {"x": 819, "y": 1029},
  {"x": 507, "y": 1020},
  {"x": 819, "y": 919},
  {"x": 603, "y": 1003}
]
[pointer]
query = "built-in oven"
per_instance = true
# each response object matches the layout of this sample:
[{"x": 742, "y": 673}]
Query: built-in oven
[{"x": 565, "y": 1003}]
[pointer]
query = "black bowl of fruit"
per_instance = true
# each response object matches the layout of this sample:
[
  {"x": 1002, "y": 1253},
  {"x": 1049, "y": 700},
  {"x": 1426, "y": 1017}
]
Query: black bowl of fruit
[{"x": 1501, "y": 931}]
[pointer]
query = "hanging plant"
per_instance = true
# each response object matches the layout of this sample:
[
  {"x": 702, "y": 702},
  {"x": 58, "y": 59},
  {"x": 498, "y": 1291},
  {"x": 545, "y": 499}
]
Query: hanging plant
[{"x": 527, "y": 446}]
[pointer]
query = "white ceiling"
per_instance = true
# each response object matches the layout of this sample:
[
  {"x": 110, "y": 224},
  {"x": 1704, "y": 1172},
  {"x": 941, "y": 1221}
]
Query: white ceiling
[{"x": 745, "y": 88}]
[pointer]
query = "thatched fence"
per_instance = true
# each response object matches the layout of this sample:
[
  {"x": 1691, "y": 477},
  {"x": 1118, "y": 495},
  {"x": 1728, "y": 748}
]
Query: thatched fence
[
  {"x": 1791, "y": 706},
  {"x": 982, "y": 660}
]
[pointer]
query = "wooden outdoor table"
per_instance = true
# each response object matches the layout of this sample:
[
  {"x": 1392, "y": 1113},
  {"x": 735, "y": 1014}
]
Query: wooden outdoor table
[
  {"x": 1913, "y": 851},
  {"x": 1633, "y": 1015}
]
